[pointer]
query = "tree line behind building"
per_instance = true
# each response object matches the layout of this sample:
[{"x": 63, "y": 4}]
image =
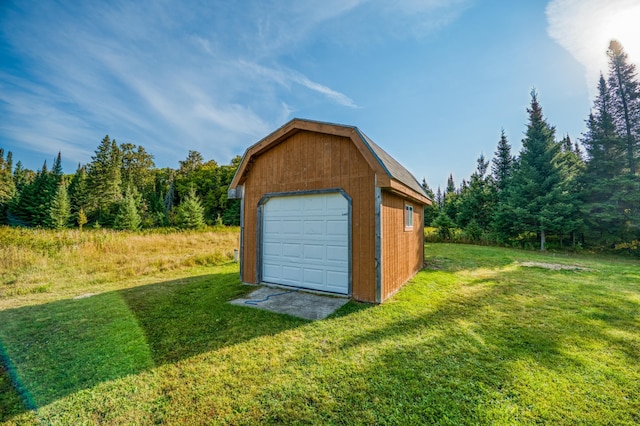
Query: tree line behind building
[
  {"x": 120, "y": 188},
  {"x": 553, "y": 192}
]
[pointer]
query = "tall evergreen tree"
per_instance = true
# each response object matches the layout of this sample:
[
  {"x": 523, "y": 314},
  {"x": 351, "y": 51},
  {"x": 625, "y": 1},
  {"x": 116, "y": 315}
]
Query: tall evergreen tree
[
  {"x": 79, "y": 191},
  {"x": 104, "y": 181},
  {"x": 60, "y": 208},
  {"x": 450, "y": 198},
  {"x": 431, "y": 210},
  {"x": 572, "y": 168},
  {"x": 7, "y": 185},
  {"x": 32, "y": 205},
  {"x": 56, "y": 170},
  {"x": 609, "y": 189},
  {"x": 502, "y": 163},
  {"x": 502, "y": 167},
  {"x": 625, "y": 97},
  {"x": 451, "y": 185},
  {"x": 22, "y": 176},
  {"x": 476, "y": 200},
  {"x": 439, "y": 198},
  {"x": 539, "y": 185}
]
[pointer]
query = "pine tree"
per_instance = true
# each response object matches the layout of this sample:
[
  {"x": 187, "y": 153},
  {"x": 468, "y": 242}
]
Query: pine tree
[
  {"x": 476, "y": 201},
  {"x": 79, "y": 191},
  {"x": 502, "y": 168},
  {"x": 444, "y": 225},
  {"x": 60, "y": 208},
  {"x": 32, "y": 205},
  {"x": 21, "y": 176},
  {"x": 7, "y": 186},
  {"x": 430, "y": 210},
  {"x": 128, "y": 217},
  {"x": 451, "y": 186},
  {"x": 190, "y": 213},
  {"x": 539, "y": 187},
  {"x": 625, "y": 97},
  {"x": 502, "y": 163},
  {"x": 609, "y": 191},
  {"x": 439, "y": 198},
  {"x": 104, "y": 180},
  {"x": 450, "y": 198},
  {"x": 56, "y": 170},
  {"x": 572, "y": 167}
]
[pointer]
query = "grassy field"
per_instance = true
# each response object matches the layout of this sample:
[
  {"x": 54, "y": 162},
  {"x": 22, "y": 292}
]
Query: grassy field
[
  {"x": 481, "y": 336},
  {"x": 37, "y": 266}
]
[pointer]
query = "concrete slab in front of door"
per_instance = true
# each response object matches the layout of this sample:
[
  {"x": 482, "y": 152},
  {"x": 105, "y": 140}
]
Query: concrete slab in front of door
[{"x": 293, "y": 302}]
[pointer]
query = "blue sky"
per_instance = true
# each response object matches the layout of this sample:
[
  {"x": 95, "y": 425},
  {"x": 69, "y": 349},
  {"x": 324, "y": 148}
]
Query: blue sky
[{"x": 433, "y": 82}]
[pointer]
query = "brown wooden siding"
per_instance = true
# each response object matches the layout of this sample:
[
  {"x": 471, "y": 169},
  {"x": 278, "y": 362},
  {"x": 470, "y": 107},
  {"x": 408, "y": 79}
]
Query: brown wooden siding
[
  {"x": 402, "y": 250},
  {"x": 310, "y": 161}
]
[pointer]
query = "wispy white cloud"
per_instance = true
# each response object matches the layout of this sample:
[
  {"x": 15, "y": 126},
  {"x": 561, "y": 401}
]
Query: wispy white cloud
[
  {"x": 174, "y": 76},
  {"x": 285, "y": 77},
  {"x": 585, "y": 28},
  {"x": 338, "y": 97}
]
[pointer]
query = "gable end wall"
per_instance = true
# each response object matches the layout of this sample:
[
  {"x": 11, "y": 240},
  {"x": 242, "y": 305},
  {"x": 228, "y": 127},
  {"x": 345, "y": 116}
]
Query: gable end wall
[{"x": 309, "y": 161}]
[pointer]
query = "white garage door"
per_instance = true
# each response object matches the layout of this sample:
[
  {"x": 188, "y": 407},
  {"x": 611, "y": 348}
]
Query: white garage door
[{"x": 305, "y": 242}]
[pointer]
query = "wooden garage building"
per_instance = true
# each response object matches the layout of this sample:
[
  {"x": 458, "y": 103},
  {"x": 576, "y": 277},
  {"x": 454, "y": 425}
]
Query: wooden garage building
[{"x": 324, "y": 208}]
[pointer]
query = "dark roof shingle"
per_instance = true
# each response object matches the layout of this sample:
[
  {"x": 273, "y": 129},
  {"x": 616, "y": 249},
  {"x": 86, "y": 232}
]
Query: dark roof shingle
[{"x": 395, "y": 170}]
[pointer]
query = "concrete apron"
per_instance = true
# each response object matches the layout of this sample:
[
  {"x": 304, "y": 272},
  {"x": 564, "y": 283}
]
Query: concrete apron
[{"x": 293, "y": 302}]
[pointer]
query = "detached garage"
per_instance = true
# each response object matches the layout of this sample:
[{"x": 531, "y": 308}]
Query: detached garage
[{"x": 324, "y": 208}]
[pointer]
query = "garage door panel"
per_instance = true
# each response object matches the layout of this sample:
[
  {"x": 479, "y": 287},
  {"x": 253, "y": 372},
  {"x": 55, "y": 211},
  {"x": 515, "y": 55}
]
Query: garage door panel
[
  {"x": 292, "y": 274},
  {"x": 314, "y": 204},
  {"x": 337, "y": 277},
  {"x": 272, "y": 271},
  {"x": 336, "y": 253},
  {"x": 305, "y": 242},
  {"x": 291, "y": 250},
  {"x": 274, "y": 249},
  {"x": 314, "y": 252},
  {"x": 337, "y": 227},
  {"x": 314, "y": 227},
  {"x": 314, "y": 276},
  {"x": 272, "y": 227},
  {"x": 291, "y": 227}
]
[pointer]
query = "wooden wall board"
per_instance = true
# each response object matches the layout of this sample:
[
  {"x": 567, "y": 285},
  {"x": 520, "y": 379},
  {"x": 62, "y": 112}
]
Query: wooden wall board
[{"x": 313, "y": 161}]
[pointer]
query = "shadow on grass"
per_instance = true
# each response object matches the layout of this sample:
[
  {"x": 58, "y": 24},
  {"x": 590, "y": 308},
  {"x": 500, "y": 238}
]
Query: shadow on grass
[
  {"x": 55, "y": 349},
  {"x": 513, "y": 350},
  {"x": 521, "y": 347}
]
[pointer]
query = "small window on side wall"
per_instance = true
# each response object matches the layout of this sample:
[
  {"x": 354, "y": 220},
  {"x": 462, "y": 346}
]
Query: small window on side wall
[{"x": 408, "y": 216}]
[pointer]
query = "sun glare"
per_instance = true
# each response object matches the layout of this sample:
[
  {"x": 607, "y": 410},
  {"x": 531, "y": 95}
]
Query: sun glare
[
  {"x": 622, "y": 25},
  {"x": 586, "y": 27}
]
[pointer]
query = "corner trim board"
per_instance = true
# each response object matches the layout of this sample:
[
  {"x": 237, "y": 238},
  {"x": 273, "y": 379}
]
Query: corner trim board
[{"x": 378, "y": 242}]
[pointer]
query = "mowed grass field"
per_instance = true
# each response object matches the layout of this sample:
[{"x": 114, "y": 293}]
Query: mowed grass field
[{"x": 136, "y": 329}]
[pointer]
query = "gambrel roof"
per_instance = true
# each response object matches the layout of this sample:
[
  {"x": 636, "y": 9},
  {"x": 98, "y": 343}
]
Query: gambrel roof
[{"x": 390, "y": 174}]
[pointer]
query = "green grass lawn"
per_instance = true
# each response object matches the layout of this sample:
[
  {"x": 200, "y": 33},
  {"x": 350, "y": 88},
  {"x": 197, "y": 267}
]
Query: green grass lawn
[{"x": 476, "y": 338}]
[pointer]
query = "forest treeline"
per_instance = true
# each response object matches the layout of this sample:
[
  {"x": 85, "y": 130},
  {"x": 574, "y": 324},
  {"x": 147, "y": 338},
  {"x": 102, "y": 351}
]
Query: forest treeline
[
  {"x": 119, "y": 188},
  {"x": 554, "y": 191}
]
